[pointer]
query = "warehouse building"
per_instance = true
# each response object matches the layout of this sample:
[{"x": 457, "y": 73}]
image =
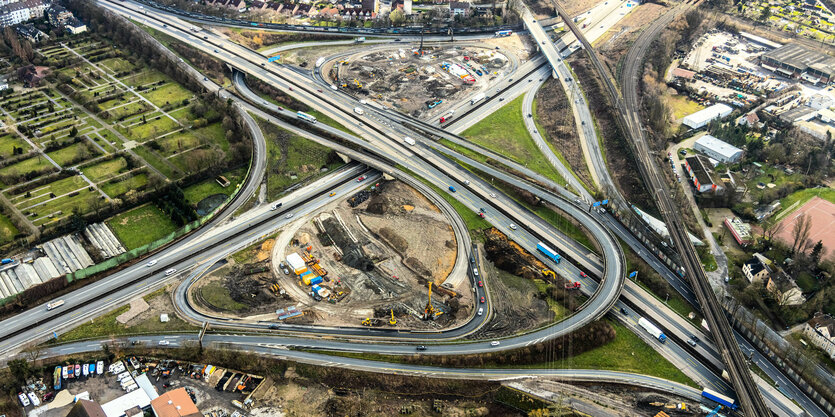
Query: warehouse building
[
  {"x": 796, "y": 61},
  {"x": 701, "y": 175},
  {"x": 702, "y": 117},
  {"x": 718, "y": 150}
]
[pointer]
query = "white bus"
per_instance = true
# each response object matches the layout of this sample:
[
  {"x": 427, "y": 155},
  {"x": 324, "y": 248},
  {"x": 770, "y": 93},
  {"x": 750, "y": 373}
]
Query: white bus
[{"x": 306, "y": 117}]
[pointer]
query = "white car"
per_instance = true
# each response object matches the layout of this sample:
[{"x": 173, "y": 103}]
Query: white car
[
  {"x": 151, "y": 263},
  {"x": 289, "y": 215},
  {"x": 494, "y": 343},
  {"x": 492, "y": 195},
  {"x": 466, "y": 182},
  {"x": 170, "y": 272},
  {"x": 512, "y": 226},
  {"x": 275, "y": 206},
  {"x": 163, "y": 342}
]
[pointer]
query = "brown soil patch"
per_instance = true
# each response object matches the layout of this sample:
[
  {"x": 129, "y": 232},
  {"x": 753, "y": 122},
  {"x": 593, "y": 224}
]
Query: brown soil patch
[
  {"x": 614, "y": 44},
  {"x": 266, "y": 250}
]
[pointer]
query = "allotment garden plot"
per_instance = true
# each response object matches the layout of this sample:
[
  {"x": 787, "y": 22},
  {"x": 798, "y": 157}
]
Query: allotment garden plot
[{"x": 103, "y": 127}]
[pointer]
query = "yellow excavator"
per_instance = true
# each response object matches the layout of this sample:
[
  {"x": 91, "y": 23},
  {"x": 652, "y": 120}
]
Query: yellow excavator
[
  {"x": 367, "y": 321},
  {"x": 428, "y": 312},
  {"x": 392, "y": 320},
  {"x": 547, "y": 272}
]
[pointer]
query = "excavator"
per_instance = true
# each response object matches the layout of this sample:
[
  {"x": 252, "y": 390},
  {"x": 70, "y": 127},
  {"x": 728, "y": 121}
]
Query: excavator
[
  {"x": 547, "y": 272},
  {"x": 429, "y": 312},
  {"x": 392, "y": 320}
]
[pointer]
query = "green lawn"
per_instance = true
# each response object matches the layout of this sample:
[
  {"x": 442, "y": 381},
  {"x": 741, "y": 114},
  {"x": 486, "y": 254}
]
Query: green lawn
[
  {"x": 168, "y": 93},
  {"x": 59, "y": 187},
  {"x": 116, "y": 64},
  {"x": 8, "y": 142},
  {"x": 106, "y": 169},
  {"x": 160, "y": 164},
  {"x": 470, "y": 218},
  {"x": 141, "y": 226},
  {"x": 64, "y": 205},
  {"x": 35, "y": 163},
  {"x": 106, "y": 325},
  {"x": 119, "y": 188},
  {"x": 128, "y": 110},
  {"x": 153, "y": 128},
  {"x": 504, "y": 132},
  {"x": 65, "y": 155},
  {"x": 7, "y": 230},
  {"x": 217, "y": 296},
  {"x": 802, "y": 196},
  {"x": 195, "y": 193},
  {"x": 682, "y": 106}
]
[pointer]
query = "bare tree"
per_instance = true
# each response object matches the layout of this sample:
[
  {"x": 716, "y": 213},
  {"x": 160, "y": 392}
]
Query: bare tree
[
  {"x": 800, "y": 233},
  {"x": 773, "y": 228},
  {"x": 32, "y": 352}
]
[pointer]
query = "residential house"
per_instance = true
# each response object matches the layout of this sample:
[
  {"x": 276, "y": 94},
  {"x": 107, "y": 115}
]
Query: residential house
[
  {"x": 756, "y": 269},
  {"x": 749, "y": 119},
  {"x": 20, "y": 12},
  {"x": 459, "y": 8},
  {"x": 57, "y": 15},
  {"x": 74, "y": 26},
  {"x": 31, "y": 33},
  {"x": 784, "y": 290},
  {"x": 86, "y": 408},
  {"x": 31, "y": 75},
  {"x": 820, "y": 331}
]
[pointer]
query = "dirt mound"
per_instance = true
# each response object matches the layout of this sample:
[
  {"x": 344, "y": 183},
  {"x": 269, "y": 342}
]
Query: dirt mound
[
  {"x": 265, "y": 251},
  {"x": 399, "y": 243},
  {"x": 509, "y": 257},
  {"x": 248, "y": 284}
]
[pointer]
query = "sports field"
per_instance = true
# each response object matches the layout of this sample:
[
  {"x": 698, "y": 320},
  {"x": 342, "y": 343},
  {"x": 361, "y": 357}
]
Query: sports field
[{"x": 822, "y": 213}]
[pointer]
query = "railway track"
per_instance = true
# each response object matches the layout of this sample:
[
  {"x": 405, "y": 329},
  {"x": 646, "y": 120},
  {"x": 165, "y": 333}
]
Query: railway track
[{"x": 750, "y": 400}]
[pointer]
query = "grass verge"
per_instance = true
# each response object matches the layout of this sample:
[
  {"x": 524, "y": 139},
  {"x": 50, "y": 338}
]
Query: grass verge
[{"x": 141, "y": 226}]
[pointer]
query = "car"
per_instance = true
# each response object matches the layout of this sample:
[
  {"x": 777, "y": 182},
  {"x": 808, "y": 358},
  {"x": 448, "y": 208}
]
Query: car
[
  {"x": 151, "y": 263},
  {"x": 480, "y": 284},
  {"x": 501, "y": 98},
  {"x": 509, "y": 80},
  {"x": 420, "y": 347},
  {"x": 170, "y": 272},
  {"x": 480, "y": 214},
  {"x": 275, "y": 206},
  {"x": 466, "y": 182},
  {"x": 263, "y": 64},
  {"x": 286, "y": 271},
  {"x": 289, "y": 215},
  {"x": 331, "y": 194},
  {"x": 492, "y": 195},
  {"x": 164, "y": 343},
  {"x": 512, "y": 226},
  {"x": 205, "y": 79},
  {"x": 683, "y": 151},
  {"x": 482, "y": 210},
  {"x": 623, "y": 311},
  {"x": 291, "y": 88},
  {"x": 23, "y": 399},
  {"x": 530, "y": 80},
  {"x": 540, "y": 79},
  {"x": 583, "y": 122},
  {"x": 205, "y": 37},
  {"x": 164, "y": 25},
  {"x": 397, "y": 40},
  {"x": 216, "y": 51},
  {"x": 691, "y": 342},
  {"x": 319, "y": 90},
  {"x": 494, "y": 343},
  {"x": 361, "y": 178},
  {"x": 482, "y": 300},
  {"x": 451, "y": 189},
  {"x": 480, "y": 311},
  {"x": 530, "y": 115}
]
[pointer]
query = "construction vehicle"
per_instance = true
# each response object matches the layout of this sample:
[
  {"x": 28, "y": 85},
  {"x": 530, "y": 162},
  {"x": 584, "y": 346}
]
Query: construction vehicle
[
  {"x": 367, "y": 321},
  {"x": 428, "y": 312},
  {"x": 392, "y": 321},
  {"x": 547, "y": 272},
  {"x": 357, "y": 84},
  {"x": 573, "y": 285}
]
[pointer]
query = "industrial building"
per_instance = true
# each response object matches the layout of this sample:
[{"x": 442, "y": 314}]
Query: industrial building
[
  {"x": 717, "y": 149},
  {"x": 796, "y": 61},
  {"x": 700, "y": 174},
  {"x": 740, "y": 230},
  {"x": 702, "y": 117}
]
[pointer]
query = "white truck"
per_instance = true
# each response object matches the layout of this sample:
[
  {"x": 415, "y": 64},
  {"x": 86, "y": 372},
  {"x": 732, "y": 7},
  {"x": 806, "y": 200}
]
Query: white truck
[
  {"x": 361, "y": 39},
  {"x": 409, "y": 140},
  {"x": 478, "y": 97},
  {"x": 652, "y": 329}
]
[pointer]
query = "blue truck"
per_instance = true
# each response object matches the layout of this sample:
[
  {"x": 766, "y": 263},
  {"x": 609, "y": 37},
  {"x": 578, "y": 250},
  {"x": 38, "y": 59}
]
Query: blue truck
[
  {"x": 550, "y": 253},
  {"x": 719, "y": 398}
]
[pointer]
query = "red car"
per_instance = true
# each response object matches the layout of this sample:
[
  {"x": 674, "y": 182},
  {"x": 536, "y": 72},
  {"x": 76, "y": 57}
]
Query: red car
[
  {"x": 583, "y": 274},
  {"x": 361, "y": 178},
  {"x": 480, "y": 284},
  {"x": 480, "y": 214},
  {"x": 482, "y": 300}
]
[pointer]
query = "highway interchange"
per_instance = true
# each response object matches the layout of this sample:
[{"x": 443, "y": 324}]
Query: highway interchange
[{"x": 381, "y": 135}]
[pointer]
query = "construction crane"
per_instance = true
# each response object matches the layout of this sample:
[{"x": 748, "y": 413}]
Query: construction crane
[
  {"x": 429, "y": 310},
  {"x": 392, "y": 320}
]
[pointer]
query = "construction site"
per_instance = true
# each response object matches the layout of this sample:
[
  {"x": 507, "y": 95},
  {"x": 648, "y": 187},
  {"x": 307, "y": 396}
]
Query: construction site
[
  {"x": 379, "y": 258},
  {"x": 421, "y": 82}
]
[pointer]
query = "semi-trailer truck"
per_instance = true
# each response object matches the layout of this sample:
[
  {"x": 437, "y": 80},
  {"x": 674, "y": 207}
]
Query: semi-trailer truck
[
  {"x": 54, "y": 304},
  {"x": 478, "y": 97},
  {"x": 719, "y": 398},
  {"x": 550, "y": 253},
  {"x": 503, "y": 33},
  {"x": 652, "y": 329}
]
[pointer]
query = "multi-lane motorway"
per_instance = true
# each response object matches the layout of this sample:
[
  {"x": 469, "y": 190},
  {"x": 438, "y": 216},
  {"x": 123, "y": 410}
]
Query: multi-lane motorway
[{"x": 382, "y": 137}]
